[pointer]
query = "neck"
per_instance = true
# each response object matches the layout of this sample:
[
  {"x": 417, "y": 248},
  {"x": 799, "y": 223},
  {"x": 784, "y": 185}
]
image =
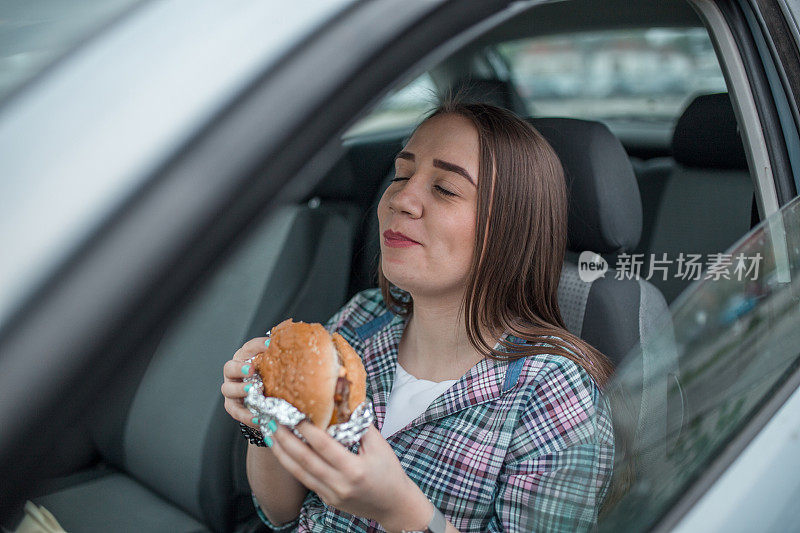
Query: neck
[{"x": 435, "y": 345}]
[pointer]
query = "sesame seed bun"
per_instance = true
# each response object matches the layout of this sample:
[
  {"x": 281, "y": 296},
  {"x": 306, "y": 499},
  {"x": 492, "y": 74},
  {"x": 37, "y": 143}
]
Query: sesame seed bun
[{"x": 302, "y": 366}]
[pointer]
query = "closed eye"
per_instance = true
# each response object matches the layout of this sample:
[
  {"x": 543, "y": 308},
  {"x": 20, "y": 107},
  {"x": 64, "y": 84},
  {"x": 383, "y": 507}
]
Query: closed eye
[
  {"x": 444, "y": 191},
  {"x": 439, "y": 188}
]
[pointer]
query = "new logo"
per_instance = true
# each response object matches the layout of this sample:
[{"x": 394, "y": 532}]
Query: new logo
[{"x": 591, "y": 266}]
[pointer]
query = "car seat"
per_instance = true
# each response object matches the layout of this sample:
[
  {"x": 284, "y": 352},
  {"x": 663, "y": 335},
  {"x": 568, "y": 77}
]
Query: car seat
[
  {"x": 620, "y": 317},
  {"x": 626, "y": 319},
  {"x": 699, "y": 201},
  {"x": 171, "y": 457}
]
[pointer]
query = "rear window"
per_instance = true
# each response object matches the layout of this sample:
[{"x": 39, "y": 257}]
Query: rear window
[
  {"x": 643, "y": 74},
  {"x": 402, "y": 108}
]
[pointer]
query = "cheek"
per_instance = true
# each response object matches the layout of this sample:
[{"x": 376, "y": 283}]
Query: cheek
[
  {"x": 468, "y": 241},
  {"x": 382, "y": 209},
  {"x": 461, "y": 237}
]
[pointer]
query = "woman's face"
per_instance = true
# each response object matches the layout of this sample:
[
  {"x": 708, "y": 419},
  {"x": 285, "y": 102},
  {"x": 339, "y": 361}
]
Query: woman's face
[{"x": 427, "y": 215}]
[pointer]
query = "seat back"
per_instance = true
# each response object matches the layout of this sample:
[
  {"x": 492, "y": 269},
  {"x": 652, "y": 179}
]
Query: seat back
[
  {"x": 612, "y": 313},
  {"x": 173, "y": 435},
  {"x": 701, "y": 202}
]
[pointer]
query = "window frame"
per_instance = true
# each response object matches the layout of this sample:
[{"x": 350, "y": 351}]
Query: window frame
[{"x": 764, "y": 141}]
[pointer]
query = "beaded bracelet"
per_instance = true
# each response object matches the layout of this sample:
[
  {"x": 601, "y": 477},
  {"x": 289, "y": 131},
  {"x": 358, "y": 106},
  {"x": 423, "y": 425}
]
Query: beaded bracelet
[{"x": 252, "y": 435}]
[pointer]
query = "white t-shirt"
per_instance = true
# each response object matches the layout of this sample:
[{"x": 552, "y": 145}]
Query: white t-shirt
[{"x": 410, "y": 397}]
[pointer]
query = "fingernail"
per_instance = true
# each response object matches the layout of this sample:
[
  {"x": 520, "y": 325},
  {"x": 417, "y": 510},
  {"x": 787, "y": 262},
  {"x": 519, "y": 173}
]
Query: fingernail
[
  {"x": 266, "y": 342},
  {"x": 246, "y": 369},
  {"x": 248, "y": 386},
  {"x": 254, "y": 420},
  {"x": 268, "y": 442},
  {"x": 272, "y": 425}
]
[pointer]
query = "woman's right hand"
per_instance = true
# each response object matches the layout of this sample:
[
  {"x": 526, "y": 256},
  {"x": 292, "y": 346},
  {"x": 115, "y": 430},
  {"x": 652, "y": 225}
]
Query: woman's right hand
[{"x": 233, "y": 388}]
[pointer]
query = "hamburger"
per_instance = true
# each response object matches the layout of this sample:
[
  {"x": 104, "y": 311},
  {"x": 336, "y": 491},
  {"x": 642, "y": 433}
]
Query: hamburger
[{"x": 318, "y": 373}]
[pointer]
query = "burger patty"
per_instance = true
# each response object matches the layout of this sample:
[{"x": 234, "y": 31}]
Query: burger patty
[{"x": 341, "y": 399}]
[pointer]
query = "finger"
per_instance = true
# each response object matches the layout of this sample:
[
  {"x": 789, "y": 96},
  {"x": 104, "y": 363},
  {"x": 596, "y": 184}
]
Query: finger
[
  {"x": 371, "y": 439},
  {"x": 326, "y": 446},
  {"x": 236, "y": 389},
  {"x": 300, "y": 474},
  {"x": 237, "y": 370},
  {"x": 292, "y": 466},
  {"x": 239, "y": 412},
  {"x": 306, "y": 457},
  {"x": 251, "y": 348}
]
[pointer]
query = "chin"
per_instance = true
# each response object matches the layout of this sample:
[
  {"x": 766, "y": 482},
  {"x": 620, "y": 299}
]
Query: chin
[
  {"x": 398, "y": 279},
  {"x": 415, "y": 282},
  {"x": 402, "y": 276}
]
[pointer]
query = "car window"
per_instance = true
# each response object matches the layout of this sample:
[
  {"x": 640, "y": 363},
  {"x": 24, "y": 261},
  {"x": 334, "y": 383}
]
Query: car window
[
  {"x": 401, "y": 108},
  {"x": 83, "y": 141},
  {"x": 737, "y": 340},
  {"x": 34, "y": 34},
  {"x": 638, "y": 74}
]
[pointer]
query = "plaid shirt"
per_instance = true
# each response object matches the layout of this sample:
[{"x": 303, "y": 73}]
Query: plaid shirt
[{"x": 521, "y": 446}]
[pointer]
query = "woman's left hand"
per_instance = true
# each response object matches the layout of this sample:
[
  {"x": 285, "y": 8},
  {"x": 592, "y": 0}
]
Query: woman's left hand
[{"x": 371, "y": 484}]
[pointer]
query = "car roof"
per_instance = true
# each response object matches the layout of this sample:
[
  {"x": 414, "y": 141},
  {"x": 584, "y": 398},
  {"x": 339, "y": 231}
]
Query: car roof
[{"x": 560, "y": 17}]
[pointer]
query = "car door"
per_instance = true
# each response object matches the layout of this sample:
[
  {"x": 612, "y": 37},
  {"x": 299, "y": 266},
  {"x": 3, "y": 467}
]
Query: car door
[
  {"x": 730, "y": 435},
  {"x": 191, "y": 123}
]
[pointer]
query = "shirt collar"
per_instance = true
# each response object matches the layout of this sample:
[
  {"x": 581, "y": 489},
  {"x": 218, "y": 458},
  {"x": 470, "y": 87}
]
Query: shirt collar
[{"x": 485, "y": 381}]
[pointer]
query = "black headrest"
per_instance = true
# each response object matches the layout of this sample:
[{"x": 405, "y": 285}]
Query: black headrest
[
  {"x": 338, "y": 183},
  {"x": 489, "y": 91},
  {"x": 706, "y": 136},
  {"x": 605, "y": 209}
]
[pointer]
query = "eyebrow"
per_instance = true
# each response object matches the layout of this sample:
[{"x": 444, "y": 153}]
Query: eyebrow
[{"x": 444, "y": 165}]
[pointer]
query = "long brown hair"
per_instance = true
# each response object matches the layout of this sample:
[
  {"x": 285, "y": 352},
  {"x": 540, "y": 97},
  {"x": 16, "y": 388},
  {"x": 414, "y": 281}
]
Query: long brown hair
[{"x": 520, "y": 243}]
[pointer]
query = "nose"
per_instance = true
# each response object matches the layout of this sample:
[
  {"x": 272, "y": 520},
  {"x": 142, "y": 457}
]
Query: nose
[{"x": 406, "y": 199}]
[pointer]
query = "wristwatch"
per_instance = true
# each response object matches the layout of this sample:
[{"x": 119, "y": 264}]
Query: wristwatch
[{"x": 438, "y": 524}]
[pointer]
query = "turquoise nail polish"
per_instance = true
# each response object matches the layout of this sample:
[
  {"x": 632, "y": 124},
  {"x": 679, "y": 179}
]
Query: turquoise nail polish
[
  {"x": 268, "y": 442},
  {"x": 266, "y": 342},
  {"x": 272, "y": 425},
  {"x": 254, "y": 420},
  {"x": 247, "y": 389},
  {"x": 246, "y": 369}
]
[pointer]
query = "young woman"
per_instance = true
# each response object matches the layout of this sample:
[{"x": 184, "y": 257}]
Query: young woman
[{"x": 489, "y": 412}]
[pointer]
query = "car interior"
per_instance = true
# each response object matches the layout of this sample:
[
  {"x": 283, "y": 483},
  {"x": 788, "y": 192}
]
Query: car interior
[{"x": 638, "y": 184}]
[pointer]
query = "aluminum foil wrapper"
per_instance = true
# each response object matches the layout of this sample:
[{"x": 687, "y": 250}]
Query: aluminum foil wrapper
[{"x": 268, "y": 408}]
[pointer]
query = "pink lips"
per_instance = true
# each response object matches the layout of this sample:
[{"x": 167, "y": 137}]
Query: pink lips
[{"x": 396, "y": 239}]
